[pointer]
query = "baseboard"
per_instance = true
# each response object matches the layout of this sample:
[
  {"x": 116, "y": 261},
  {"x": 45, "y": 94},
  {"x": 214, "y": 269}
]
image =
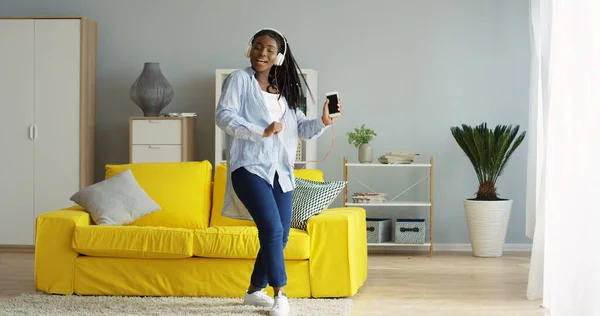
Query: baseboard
[
  {"x": 7, "y": 248},
  {"x": 467, "y": 247},
  {"x": 442, "y": 248}
]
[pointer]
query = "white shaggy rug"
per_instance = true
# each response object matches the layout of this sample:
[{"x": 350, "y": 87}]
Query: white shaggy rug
[{"x": 39, "y": 304}]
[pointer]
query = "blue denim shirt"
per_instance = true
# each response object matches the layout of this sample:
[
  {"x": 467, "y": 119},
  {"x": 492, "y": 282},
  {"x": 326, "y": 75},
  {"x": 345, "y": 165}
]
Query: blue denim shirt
[{"x": 243, "y": 115}]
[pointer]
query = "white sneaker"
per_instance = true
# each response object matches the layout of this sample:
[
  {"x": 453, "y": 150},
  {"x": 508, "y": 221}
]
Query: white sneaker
[
  {"x": 258, "y": 298},
  {"x": 281, "y": 307}
]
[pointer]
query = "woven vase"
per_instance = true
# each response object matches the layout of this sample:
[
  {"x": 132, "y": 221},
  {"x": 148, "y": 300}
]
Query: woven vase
[
  {"x": 488, "y": 223},
  {"x": 151, "y": 91}
]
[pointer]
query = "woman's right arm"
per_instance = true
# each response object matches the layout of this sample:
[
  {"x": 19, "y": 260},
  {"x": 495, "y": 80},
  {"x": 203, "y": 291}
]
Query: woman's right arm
[{"x": 226, "y": 115}]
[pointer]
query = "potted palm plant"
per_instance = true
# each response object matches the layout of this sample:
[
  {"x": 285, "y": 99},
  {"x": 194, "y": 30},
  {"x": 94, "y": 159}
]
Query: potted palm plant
[{"x": 487, "y": 213}]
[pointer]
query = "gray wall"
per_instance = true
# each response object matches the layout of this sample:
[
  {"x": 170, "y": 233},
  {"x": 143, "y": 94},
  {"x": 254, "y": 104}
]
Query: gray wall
[{"x": 408, "y": 69}]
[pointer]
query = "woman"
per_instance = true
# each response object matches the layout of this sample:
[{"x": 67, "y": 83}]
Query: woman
[{"x": 258, "y": 110}]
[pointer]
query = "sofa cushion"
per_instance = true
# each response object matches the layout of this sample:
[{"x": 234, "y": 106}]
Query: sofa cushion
[
  {"x": 116, "y": 201},
  {"x": 133, "y": 242},
  {"x": 220, "y": 181},
  {"x": 182, "y": 189},
  {"x": 311, "y": 198},
  {"x": 309, "y": 174},
  {"x": 241, "y": 242}
]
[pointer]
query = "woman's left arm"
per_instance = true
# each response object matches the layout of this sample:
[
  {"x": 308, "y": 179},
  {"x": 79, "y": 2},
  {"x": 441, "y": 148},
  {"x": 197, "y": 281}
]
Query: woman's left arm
[{"x": 311, "y": 128}]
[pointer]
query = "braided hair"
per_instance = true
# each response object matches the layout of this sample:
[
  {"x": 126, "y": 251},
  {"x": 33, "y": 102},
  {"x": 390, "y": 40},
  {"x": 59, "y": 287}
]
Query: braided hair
[{"x": 286, "y": 78}]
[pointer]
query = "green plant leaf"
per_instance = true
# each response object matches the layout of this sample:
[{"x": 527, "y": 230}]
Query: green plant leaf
[
  {"x": 489, "y": 151},
  {"x": 361, "y": 135}
]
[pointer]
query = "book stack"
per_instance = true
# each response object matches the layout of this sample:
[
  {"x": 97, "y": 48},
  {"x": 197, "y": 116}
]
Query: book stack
[
  {"x": 368, "y": 197},
  {"x": 398, "y": 158}
]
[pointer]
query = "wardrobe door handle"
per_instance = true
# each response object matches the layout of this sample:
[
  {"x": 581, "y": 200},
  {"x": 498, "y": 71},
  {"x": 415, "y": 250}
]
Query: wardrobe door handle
[
  {"x": 35, "y": 131},
  {"x": 154, "y": 147},
  {"x": 31, "y": 135}
]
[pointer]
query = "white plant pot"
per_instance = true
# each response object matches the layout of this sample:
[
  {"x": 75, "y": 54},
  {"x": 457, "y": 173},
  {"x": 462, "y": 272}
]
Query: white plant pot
[{"x": 488, "y": 223}]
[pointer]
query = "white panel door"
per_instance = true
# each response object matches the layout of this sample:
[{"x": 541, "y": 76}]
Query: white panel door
[
  {"x": 57, "y": 71},
  {"x": 16, "y": 105}
]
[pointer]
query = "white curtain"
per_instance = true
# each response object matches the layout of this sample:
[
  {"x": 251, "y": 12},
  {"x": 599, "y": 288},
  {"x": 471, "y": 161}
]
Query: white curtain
[
  {"x": 563, "y": 189},
  {"x": 538, "y": 115}
]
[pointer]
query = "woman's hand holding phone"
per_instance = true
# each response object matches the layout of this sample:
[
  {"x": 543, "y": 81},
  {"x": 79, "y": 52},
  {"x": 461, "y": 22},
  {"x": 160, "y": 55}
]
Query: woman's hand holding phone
[{"x": 333, "y": 111}]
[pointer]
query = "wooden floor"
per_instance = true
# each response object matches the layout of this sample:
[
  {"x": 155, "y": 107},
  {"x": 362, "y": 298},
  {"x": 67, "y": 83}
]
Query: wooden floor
[{"x": 398, "y": 284}]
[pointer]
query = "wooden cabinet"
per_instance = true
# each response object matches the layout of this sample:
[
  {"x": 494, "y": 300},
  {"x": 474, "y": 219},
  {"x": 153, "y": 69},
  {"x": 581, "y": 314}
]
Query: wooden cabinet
[
  {"x": 161, "y": 139},
  {"x": 48, "y": 92}
]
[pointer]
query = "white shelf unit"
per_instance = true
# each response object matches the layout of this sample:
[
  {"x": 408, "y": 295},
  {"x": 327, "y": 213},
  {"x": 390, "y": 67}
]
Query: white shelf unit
[
  {"x": 391, "y": 203},
  {"x": 308, "y": 148}
]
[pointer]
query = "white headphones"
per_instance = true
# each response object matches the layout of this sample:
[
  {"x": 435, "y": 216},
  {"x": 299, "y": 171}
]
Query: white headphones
[{"x": 280, "y": 57}]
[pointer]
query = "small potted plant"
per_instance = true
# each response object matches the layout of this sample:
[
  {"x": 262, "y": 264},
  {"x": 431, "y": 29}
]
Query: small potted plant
[
  {"x": 361, "y": 138},
  {"x": 487, "y": 213}
]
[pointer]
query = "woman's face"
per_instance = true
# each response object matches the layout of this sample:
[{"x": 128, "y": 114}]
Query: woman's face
[{"x": 263, "y": 53}]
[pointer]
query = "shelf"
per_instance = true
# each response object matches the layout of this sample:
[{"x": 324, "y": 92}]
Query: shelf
[
  {"x": 393, "y": 244},
  {"x": 357, "y": 164},
  {"x": 392, "y": 203}
]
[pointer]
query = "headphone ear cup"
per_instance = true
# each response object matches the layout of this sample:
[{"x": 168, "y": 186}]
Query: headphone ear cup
[
  {"x": 247, "y": 50},
  {"x": 279, "y": 59}
]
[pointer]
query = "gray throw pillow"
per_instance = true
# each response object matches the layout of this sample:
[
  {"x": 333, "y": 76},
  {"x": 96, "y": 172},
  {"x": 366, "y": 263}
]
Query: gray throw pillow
[{"x": 118, "y": 200}]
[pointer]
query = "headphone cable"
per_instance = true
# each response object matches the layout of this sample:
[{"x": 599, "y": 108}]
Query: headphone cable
[{"x": 281, "y": 119}]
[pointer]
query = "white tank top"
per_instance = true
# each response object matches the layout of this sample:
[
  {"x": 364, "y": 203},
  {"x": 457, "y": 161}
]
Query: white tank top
[{"x": 275, "y": 110}]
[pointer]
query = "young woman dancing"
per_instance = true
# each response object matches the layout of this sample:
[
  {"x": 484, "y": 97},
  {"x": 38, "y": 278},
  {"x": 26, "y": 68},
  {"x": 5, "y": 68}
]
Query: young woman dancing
[{"x": 258, "y": 110}]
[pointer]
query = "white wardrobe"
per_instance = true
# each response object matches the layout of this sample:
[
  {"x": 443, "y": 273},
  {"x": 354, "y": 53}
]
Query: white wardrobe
[{"x": 47, "y": 119}]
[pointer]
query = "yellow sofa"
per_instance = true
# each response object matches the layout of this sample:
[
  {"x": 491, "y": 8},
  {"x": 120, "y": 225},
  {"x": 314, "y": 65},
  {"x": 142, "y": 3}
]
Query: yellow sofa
[{"x": 187, "y": 248}]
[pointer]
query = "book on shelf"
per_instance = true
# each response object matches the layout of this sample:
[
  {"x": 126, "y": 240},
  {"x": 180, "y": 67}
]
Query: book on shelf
[
  {"x": 368, "y": 197},
  {"x": 398, "y": 158}
]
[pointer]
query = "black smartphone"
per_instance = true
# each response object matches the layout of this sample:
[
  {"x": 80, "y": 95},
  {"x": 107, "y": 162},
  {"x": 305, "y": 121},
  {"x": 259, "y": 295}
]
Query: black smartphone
[{"x": 333, "y": 98}]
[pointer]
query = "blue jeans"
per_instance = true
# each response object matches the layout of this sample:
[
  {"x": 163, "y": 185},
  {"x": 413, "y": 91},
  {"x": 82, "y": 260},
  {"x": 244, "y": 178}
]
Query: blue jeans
[{"x": 271, "y": 210}]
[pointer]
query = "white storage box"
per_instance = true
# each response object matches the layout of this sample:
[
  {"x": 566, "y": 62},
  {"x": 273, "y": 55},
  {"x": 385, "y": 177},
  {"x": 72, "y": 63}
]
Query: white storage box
[
  {"x": 379, "y": 230},
  {"x": 410, "y": 231}
]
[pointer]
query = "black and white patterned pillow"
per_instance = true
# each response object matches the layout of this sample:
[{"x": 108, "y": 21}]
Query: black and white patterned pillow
[{"x": 311, "y": 198}]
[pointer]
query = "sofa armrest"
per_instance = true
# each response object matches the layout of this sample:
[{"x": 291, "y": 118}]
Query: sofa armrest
[
  {"x": 338, "y": 252},
  {"x": 54, "y": 255}
]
